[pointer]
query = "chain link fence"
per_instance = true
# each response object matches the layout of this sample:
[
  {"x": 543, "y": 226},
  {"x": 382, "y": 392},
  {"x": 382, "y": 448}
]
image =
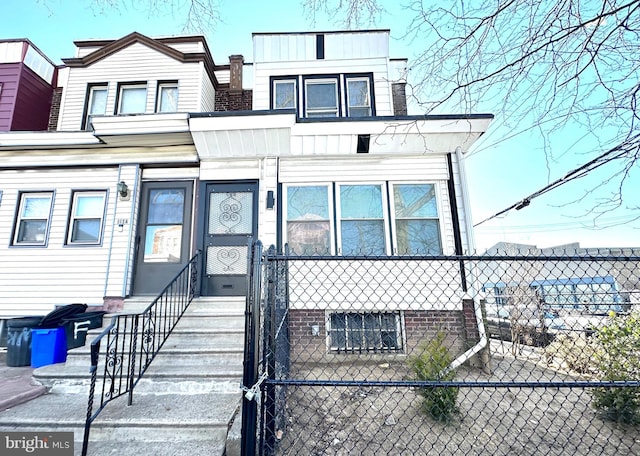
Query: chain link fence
[{"x": 500, "y": 354}]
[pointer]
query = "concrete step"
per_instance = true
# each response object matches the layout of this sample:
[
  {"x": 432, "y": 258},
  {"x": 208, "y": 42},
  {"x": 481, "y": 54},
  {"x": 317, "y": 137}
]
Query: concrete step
[{"x": 183, "y": 422}]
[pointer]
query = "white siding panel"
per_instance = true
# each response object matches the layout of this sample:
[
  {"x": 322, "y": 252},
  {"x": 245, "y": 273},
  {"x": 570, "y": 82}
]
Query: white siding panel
[
  {"x": 361, "y": 168},
  {"x": 11, "y": 52},
  {"x": 207, "y": 92},
  {"x": 230, "y": 169},
  {"x": 134, "y": 63},
  {"x": 356, "y": 45},
  {"x": 56, "y": 274}
]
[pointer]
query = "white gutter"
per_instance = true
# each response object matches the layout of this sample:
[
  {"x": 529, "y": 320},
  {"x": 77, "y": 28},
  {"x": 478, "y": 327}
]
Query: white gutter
[{"x": 482, "y": 343}]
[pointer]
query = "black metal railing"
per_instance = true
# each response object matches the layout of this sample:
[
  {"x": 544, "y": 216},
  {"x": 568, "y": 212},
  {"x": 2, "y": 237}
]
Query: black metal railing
[{"x": 133, "y": 341}]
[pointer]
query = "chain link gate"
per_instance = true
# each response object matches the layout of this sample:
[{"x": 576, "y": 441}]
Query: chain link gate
[{"x": 465, "y": 355}]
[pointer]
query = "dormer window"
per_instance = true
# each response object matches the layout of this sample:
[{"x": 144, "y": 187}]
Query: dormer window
[
  {"x": 284, "y": 94},
  {"x": 167, "y": 97},
  {"x": 321, "y": 96},
  {"x": 132, "y": 98},
  {"x": 96, "y": 104}
]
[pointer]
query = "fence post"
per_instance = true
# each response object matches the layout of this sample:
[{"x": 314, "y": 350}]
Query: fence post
[
  {"x": 268, "y": 439},
  {"x": 251, "y": 352}
]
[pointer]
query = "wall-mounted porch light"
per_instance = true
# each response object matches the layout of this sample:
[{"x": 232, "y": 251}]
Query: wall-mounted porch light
[{"x": 123, "y": 189}]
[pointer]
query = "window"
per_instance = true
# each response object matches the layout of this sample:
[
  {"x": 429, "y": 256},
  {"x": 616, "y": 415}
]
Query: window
[
  {"x": 362, "y": 228},
  {"x": 34, "y": 215},
  {"x": 358, "y": 97},
  {"x": 369, "y": 219},
  {"x": 417, "y": 228},
  {"x": 167, "y": 97},
  {"x": 96, "y": 103},
  {"x": 307, "y": 219},
  {"x": 365, "y": 332},
  {"x": 86, "y": 218},
  {"x": 284, "y": 94},
  {"x": 321, "y": 97},
  {"x": 132, "y": 99}
]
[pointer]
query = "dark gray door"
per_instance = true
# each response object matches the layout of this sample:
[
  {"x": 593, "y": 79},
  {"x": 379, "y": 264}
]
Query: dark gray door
[
  {"x": 164, "y": 233},
  {"x": 229, "y": 229}
]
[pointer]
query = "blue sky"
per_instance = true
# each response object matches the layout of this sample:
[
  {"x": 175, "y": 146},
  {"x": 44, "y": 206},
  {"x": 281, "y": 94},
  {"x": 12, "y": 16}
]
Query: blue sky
[{"x": 502, "y": 168}]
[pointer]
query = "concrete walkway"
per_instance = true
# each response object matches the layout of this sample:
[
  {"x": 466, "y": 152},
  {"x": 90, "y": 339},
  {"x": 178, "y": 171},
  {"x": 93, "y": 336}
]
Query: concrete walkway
[{"x": 16, "y": 384}]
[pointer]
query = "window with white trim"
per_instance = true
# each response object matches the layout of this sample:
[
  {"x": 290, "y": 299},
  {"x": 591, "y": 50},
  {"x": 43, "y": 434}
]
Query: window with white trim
[
  {"x": 358, "y": 97},
  {"x": 361, "y": 219},
  {"x": 86, "y": 218},
  {"x": 167, "y": 97},
  {"x": 365, "y": 332},
  {"x": 33, "y": 218},
  {"x": 369, "y": 219},
  {"x": 321, "y": 97},
  {"x": 96, "y": 103},
  {"x": 284, "y": 94},
  {"x": 132, "y": 98},
  {"x": 417, "y": 225}
]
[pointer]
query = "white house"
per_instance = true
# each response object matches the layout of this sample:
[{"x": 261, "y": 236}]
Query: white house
[{"x": 158, "y": 152}]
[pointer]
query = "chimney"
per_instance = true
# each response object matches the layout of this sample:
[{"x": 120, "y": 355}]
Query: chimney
[{"x": 235, "y": 73}]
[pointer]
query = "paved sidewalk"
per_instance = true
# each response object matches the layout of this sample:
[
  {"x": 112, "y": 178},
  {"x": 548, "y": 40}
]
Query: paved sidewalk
[{"x": 16, "y": 384}]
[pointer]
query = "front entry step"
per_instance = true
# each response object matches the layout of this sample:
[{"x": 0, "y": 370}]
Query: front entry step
[{"x": 183, "y": 405}]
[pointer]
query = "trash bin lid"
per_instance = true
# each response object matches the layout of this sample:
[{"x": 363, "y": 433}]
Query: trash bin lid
[
  {"x": 24, "y": 322},
  {"x": 54, "y": 318}
]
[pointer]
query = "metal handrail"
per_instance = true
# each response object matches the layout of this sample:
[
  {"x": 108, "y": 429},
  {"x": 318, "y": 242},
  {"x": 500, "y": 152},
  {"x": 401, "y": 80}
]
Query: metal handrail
[{"x": 134, "y": 339}]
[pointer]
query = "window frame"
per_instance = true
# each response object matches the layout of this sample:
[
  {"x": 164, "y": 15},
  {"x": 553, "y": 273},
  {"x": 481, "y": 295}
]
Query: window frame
[
  {"x": 393, "y": 217},
  {"x": 332, "y": 333},
  {"x": 368, "y": 77},
  {"x": 275, "y": 80},
  {"x": 163, "y": 85},
  {"x": 330, "y": 209},
  {"x": 122, "y": 87},
  {"x": 91, "y": 89},
  {"x": 72, "y": 218},
  {"x": 19, "y": 218},
  {"x": 385, "y": 216},
  {"x": 322, "y": 79}
]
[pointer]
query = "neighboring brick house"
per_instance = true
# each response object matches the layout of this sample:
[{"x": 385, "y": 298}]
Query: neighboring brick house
[{"x": 153, "y": 137}]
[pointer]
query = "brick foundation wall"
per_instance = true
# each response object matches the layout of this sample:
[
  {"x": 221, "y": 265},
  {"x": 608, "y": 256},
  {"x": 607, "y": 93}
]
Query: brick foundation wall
[
  {"x": 418, "y": 327},
  {"x": 113, "y": 303}
]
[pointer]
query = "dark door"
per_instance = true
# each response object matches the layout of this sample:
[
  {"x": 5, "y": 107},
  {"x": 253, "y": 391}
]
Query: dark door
[
  {"x": 229, "y": 228},
  {"x": 164, "y": 234}
]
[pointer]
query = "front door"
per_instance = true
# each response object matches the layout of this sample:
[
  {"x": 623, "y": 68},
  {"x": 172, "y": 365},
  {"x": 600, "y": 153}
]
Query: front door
[
  {"x": 164, "y": 233},
  {"x": 229, "y": 228}
]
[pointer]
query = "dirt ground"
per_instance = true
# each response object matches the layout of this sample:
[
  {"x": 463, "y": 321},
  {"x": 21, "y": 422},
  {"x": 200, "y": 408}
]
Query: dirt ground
[{"x": 346, "y": 420}]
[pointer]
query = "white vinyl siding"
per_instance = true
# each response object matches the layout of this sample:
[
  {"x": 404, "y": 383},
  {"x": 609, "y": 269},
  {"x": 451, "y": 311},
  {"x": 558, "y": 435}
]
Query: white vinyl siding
[
  {"x": 207, "y": 102},
  {"x": 58, "y": 274},
  {"x": 132, "y": 64}
]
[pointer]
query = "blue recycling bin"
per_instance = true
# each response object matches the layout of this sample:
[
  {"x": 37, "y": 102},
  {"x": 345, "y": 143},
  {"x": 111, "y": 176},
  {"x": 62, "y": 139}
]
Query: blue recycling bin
[{"x": 48, "y": 346}]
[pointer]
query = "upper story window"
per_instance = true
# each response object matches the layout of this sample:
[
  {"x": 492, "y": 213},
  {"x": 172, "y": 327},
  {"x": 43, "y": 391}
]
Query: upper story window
[
  {"x": 132, "y": 98},
  {"x": 96, "y": 103},
  {"x": 358, "y": 97},
  {"x": 321, "y": 97},
  {"x": 325, "y": 95},
  {"x": 284, "y": 94},
  {"x": 167, "y": 97},
  {"x": 33, "y": 218},
  {"x": 86, "y": 218}
]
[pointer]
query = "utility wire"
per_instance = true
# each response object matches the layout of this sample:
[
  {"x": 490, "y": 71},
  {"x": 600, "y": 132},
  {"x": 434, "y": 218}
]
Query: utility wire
[{"x": 581, "y": 171}]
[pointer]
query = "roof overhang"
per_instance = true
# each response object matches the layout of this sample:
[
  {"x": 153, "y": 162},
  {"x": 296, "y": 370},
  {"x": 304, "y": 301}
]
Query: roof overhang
[
  {"x": 143, "y": 130},
  {"x": 47, "y": 140}
]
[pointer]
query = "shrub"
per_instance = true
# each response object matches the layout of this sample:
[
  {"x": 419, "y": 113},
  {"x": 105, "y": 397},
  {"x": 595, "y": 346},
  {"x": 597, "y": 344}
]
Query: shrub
[
  {"x": 617, "y": 358},
  {"x": 438, "y": 402},
  {"x": 576, "y": 351}
]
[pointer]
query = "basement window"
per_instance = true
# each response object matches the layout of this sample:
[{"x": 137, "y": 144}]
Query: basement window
[{"x": 357, "y": 332}]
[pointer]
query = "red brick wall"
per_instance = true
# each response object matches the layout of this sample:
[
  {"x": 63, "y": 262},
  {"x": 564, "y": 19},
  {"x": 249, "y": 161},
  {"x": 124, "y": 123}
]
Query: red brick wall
[
  {"x": 227, "y": 100},
  {"x": 55, "y": 109},
  {"x": 418, "y": 326}
]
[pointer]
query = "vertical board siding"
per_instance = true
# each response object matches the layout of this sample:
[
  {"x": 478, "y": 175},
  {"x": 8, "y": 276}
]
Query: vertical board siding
[
  {"x": 35, "y": 279},
  {"x": 134, "y": 63}
]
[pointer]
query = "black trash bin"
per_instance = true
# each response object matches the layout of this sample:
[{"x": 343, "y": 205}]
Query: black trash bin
[
  {"x": 76, "y": 327},
  {"x": 19, "y": 340}
]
